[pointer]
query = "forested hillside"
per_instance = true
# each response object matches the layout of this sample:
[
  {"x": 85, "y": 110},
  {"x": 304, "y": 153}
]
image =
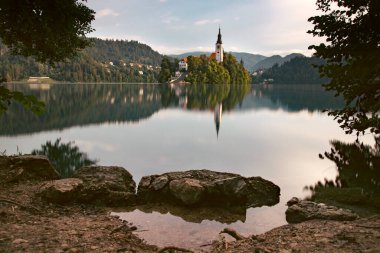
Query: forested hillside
[
  {"x": 275, "y": 59},
  {"x": 105, "y": 61},
  {"x": 298, "y": 70}
]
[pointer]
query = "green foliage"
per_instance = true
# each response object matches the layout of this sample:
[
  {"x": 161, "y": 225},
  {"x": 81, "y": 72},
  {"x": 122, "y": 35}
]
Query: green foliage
[
  {"x": 352, "y": 52},
  {"x": 93, "y": 64},
  {"x": 168, "y": 69},
  {"x": 65, "y": 157},
  {"x": 299, "y": 70},
  {"x": 201, "y": 70},
  {"x": 238, "y": 74},
  {"x": 47, "y": 30}
]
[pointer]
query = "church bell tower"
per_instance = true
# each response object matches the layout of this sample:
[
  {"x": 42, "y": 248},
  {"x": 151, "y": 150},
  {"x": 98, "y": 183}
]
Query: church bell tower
[{"x": 219, "y": 48}]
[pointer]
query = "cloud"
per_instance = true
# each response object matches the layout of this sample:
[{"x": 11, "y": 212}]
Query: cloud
[
  {"x": 106, "y": 12},
  {"x": 170, "y": 19},
  {"x": 207, "y": 21},
  {"x": 162, "y": 1}
]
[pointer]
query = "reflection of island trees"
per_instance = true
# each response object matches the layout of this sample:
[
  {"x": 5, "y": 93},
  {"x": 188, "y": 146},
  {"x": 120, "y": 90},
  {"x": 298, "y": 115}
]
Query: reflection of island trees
[
  {"x": 65, "y": 157},
  {"x": 358, "y": 181},
  {"x": 204, "y": 96},
  {"x": 81, "y": 104}
]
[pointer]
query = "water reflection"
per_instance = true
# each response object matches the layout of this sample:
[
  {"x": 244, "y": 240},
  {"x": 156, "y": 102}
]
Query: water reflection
[
  {"x": 174, "y": 130},
  {"x": 195, "y": 214},
  {"x": 291, "y": 98},
  {"x": 65, "y": 157},
  {"x": 358, "y": 179},
  {"x": 69, "y": 105}
]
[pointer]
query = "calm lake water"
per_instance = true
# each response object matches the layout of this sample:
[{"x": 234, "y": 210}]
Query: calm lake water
[{"x": 275, "y": 132}]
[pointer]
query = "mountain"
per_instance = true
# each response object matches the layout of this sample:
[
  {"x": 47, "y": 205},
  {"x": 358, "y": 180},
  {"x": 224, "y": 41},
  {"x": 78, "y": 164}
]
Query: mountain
[
  {"x": 104, "y": 61},
  {"x": 298, "y": 70},
  {"x": 270, "y": 61},
  {"x": 249, "y": 59}
]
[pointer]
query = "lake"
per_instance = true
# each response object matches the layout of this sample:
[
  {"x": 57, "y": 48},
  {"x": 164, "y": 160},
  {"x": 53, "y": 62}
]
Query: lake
[{"x": 272, "y": 131}]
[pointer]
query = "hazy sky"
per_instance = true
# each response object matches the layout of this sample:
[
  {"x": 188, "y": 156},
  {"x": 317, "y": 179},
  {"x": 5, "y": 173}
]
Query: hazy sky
[{"x": 174, "y": 26}]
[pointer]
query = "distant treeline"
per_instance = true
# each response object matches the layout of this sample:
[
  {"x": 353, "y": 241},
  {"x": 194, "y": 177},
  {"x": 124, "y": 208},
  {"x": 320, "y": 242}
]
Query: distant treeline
[
  {"x": 299, "y": 70},
  {"x": 104, "y": 61}
]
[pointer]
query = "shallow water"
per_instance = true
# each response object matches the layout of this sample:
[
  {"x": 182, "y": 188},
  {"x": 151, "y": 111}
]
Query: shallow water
[{"x": 275, "y": 132}]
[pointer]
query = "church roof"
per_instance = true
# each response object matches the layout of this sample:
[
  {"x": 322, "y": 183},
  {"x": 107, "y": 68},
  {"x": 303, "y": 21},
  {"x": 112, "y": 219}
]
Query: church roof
[
  {"x": 212, "y": 56},
  {"x": 184, "y": 59}
]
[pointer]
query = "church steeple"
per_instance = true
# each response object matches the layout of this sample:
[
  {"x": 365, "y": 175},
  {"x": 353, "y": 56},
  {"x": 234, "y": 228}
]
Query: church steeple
[
  {"x": 219, "y": 41},
  {"x": 219, "y": 48}
]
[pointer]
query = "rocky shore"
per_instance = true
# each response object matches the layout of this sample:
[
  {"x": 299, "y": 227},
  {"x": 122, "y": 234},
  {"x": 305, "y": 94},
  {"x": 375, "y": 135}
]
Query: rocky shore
[{"x": 41, "y": 213}]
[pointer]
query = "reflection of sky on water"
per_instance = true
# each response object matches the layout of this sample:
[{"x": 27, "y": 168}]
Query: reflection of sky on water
[
  {"x": 166, "y": 229},
  {"x": 272, "y": 143}
]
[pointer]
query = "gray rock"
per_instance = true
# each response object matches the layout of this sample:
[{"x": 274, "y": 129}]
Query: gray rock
[
  {"x": 302, "y": 210},
  {"x": 61, "y": 191},
  {"x": 187, "y": 190},
  {"x": 208, "y": 188},
  {"x": 26, "y": 167},
  {"x": 159, "y": 182},
  {"x": 106, "y": 185},
  {"x": 99, "y": 185}
]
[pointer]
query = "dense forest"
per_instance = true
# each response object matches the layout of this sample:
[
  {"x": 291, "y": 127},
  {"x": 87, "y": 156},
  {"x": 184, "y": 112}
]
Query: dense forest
[
  {"x": 104, "y": 61},
  {"x": 299, "y": 70},
  {"x": 203, "y": 70}
]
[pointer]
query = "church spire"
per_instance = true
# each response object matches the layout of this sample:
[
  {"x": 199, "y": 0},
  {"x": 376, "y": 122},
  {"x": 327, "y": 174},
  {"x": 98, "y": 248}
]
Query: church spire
[{"x": 219, "y": 41}]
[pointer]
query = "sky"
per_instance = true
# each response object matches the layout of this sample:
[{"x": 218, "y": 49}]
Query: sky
[{"x": 264, "y": 27}]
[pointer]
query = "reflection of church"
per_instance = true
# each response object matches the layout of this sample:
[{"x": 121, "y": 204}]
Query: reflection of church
[{"x": 218, "y": 117}]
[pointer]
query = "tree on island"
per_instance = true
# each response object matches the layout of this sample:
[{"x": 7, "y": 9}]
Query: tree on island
[
  {"x": 50, "y": 31},
  {"x": 352, "y": 52},
  {"x": 202, "y": 70}
]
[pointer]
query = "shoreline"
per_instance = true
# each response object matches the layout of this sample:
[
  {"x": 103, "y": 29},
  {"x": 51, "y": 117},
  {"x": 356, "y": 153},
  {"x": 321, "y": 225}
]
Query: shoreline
[{"x": 30, "y": 224}]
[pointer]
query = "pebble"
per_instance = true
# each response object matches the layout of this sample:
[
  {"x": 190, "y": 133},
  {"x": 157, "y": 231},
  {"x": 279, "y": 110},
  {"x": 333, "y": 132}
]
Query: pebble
[
  {"x": 19, "y": 241},
  {"x": 65, "y": 247},
  {"x": 94, "y": 247}
]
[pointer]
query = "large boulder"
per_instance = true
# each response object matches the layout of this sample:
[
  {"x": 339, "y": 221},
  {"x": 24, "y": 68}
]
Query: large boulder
[
  {"x": 106, "y": 185},
  {"x": 98, "y": 185},
  {"x": 302, "y": 210},
  {"x": 208, "y": 188},
  {"x": 26, "y": 167}
]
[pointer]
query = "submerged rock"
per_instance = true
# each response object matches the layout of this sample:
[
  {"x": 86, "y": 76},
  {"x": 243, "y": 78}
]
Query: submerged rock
[
  {"x": 100, "y": 185},
  {"x": 26, "y": 167},
  {"x": 302, "y": 210},
  {"x": 208, "y": 188}
]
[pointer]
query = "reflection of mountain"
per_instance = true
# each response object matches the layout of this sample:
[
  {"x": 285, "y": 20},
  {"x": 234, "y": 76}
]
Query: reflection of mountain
[
  {"x": 292, "y": 98},
  {"x": 82, "y": 104}
]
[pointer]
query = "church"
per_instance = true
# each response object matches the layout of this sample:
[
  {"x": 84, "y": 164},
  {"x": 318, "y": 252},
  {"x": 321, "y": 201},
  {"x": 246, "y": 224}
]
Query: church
[{"x": 217, "y": 55}]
